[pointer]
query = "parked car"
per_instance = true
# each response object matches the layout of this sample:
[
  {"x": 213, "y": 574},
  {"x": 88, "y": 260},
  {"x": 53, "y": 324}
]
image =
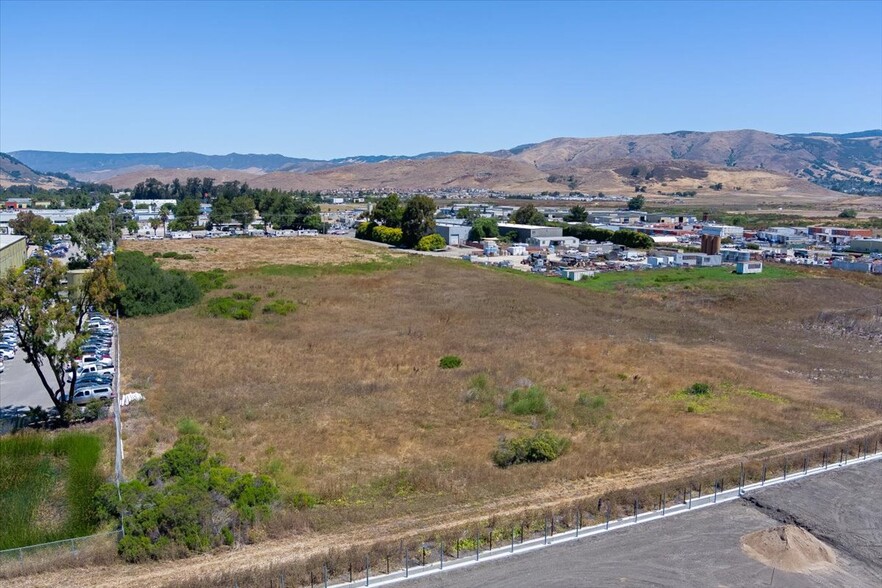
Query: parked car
[
  {"x": 2, "y": 367},
  {"x": 94, "y": 380},
  {"x": 7, "y": 352},
  {"x": 86, "y": 395},
  {"x": 94, "y": 369}
]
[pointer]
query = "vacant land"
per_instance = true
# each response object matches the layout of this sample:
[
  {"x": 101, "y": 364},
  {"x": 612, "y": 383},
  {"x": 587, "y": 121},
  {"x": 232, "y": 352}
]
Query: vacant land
[
  {"x": 343, "y": 401},
  {"x": 247, "y": 252},
  {"x": 46, "y": 487}
]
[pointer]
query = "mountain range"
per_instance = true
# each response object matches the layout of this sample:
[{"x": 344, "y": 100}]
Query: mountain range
[{"x": 739, "y": 160}]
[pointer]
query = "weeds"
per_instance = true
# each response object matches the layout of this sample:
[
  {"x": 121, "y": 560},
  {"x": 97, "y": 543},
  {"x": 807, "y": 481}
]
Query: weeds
[
  {"x": 449, "y": 362},
  {"x": 530, "y": 401},
  {"x": 280, "y": 307},
  {"x": 239, "y": 306}
]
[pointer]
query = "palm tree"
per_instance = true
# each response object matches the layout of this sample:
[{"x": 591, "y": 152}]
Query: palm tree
[{"x": 154, "y": 224}]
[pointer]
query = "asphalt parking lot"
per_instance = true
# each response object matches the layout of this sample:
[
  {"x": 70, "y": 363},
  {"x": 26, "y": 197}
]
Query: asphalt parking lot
[
  {"x": 703, "y": 548},
  {"x": 20, "y": 386}
]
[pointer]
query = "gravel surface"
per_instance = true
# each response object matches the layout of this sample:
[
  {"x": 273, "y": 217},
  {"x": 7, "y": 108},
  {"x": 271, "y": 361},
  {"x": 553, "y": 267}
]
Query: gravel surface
[{"x": 703, "y": 548}]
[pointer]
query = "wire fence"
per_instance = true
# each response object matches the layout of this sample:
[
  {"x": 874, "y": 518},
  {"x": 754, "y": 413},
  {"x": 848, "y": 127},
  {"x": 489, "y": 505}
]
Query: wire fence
[
  {"x": 77, "y": 550},
  {"x": 384, "y": 563}
]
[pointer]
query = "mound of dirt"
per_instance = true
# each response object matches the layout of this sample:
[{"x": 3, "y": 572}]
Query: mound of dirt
[{"x": 788, "y": 548}]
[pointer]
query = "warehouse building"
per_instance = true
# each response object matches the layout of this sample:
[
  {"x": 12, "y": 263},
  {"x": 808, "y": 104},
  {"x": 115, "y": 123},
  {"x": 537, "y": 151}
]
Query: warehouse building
[
  {"x": 527, "y": 232},
  {"x": 13, "y": 252}
]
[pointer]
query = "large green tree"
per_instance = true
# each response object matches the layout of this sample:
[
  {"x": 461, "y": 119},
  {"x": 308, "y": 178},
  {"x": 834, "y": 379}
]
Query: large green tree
[
  {"x": 186, "y": 215},
  {"x": 418, "y": 220},
  {"x": 49, "y": 317},
  {"x": 243, "y": 210},
  {"x": 577, "y": 214},
  {"x": 483, "y": 228},
  {"x": 388, "y": 211},
  {"x": 90, "y": 230},
  {"x": 38, "y": 230},
  {"x": 636, "y": 203},
  {"x": 528, "y": 215}
]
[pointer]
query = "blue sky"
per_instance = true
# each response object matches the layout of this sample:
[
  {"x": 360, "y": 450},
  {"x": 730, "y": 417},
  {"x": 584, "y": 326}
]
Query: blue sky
[{"x": 335, "y": 79}]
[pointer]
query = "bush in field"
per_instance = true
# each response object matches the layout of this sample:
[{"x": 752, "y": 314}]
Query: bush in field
[
  {"x": 210, "y": 280},
  {"x": 150, "y": 289},
  {"x": 529, "y": 401},
  {"x": 185, "y": 501},
  {"x": 699, "y": 389},
  {"x": 543, "y": 447},
  {"x": 239, "y": 306},
  {"x": 432, "y": 242},
  {"x": 449, "y": 362},
  {"x": 280, "y": 307}
]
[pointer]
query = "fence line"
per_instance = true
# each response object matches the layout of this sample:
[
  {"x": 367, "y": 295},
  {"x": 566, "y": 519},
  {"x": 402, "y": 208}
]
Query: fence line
[
  {"x": 387, "y": 562},
  {"x": 19, "y": 552}
]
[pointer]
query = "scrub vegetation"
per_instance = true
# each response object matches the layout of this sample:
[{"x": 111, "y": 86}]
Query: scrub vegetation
[{"x": 344, "y": 404}]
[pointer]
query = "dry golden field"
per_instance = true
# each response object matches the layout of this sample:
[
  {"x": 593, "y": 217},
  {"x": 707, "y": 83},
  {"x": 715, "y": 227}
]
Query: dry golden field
[
  {"x": 344, "y": 400},
  {"x": 236, "y": 254}
]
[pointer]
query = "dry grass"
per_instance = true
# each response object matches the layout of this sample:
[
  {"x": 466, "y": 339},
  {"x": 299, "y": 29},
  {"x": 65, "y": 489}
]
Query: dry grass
[
  {"x": 344, "y": 398},
  {"x": 248, "y": 252}
]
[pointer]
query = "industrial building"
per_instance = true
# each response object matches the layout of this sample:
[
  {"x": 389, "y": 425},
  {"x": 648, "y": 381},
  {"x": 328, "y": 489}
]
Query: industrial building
[
  {"x": 13, "y": 252},
  {"x": 453, "y": 233},
  {"x": 866, "y": 245},
  {"x": 527, "y": 232}
]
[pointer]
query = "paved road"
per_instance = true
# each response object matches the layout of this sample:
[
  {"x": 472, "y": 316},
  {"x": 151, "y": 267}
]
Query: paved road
[{"x": 702, "y": 548}]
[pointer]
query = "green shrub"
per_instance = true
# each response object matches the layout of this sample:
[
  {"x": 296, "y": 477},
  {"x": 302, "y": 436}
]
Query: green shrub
[
  {"x": 386, "y": 235},
  {"x": 529, "y": 401},
  {"x": 280, "y": 307},
  {"x": 210, "y": 280},
  {"x": 185, "y": 501},
  {"x": 449, "y": 362},
  {"x": 543, "y": 447},
  {"x": 188, "y": 427},
  {"x": 150, "y": 289},
  {"x": 239, "y": 306},
  {"x": 374, "y": 232},
  {"x": 432, "y": 242},
  {"x": 699, "y": 389}
]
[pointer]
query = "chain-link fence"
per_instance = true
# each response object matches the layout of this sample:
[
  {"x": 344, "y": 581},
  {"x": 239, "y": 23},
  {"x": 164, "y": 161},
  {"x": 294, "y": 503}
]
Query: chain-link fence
[{"x": 98, "y": 548}]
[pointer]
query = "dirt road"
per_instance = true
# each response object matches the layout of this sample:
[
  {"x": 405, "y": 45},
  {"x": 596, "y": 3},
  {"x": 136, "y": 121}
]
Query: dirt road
[{"x": 287, "y": 550}]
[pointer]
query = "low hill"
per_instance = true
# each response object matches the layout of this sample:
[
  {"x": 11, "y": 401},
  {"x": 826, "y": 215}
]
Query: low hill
[
  {"x": 15, "y": 173},
  {"x": 850, "y": 163}
]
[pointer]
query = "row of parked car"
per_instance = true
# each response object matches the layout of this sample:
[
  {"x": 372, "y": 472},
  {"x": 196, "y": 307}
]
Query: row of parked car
[
  {"x": 8, "y": 344},
  {"x": 95, "y": 369}
]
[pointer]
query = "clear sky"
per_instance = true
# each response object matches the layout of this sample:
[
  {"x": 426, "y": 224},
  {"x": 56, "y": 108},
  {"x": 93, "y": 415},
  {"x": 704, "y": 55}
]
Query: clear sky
[{"x": 335, "y": 79}]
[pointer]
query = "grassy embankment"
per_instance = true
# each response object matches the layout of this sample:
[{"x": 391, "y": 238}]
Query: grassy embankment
[{"x": 47, "y": 485}]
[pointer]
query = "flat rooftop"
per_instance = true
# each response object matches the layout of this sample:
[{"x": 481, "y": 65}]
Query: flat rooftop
[{"x": 6, "y": 240}]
